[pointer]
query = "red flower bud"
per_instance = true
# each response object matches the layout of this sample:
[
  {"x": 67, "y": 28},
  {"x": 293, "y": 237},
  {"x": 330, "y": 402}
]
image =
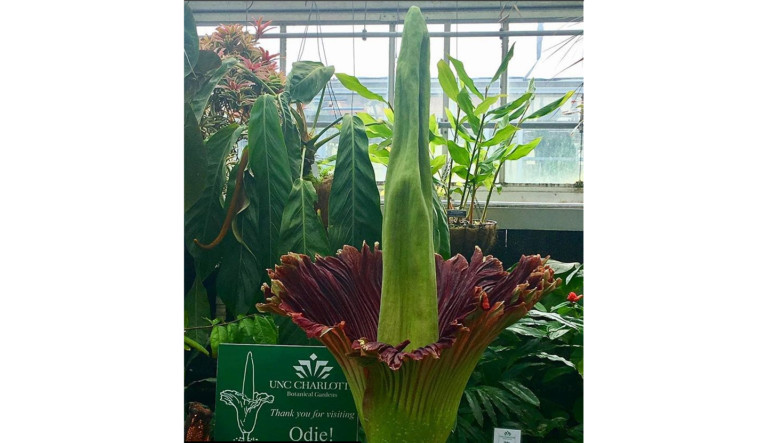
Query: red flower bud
[{"x": 573, "y": 297}]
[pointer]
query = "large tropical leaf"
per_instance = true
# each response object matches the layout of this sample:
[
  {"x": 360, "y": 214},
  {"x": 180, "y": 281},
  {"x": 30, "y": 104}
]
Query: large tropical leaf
[
  {"x": 354, "y": 212},
  {"x": 268, "y": 162},
  {"x": 200, "y": 100},
  {"x": 307, "y": 79},
  {"x": 241, "y": 275},
  {"x": 203, "y": 220},
  {"x": 191, "y": 42},
  {"x": 291, "y": 135},
  {"x": 302, "y": 230},
  {"x": 196, "y": 310},
  {"x": 195, "y": 161}
]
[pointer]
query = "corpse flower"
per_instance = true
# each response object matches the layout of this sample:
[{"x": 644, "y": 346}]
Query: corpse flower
[{"x": 406, "y": 326}]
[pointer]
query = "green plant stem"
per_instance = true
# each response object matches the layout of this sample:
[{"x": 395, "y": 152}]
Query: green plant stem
[
  {"x": 490, "y": 191},
  {"x": 220, "y": 324},
  {"x": 488, "y": 200},
  {"x": 475, "y": 151},
  {"x": 450, "y": 164}
]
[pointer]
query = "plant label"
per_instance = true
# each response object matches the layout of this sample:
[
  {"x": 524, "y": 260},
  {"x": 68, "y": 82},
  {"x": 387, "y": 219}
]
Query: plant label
[
  {"x": 502, "y": 435},
  {"x": 282, "y": 393}
]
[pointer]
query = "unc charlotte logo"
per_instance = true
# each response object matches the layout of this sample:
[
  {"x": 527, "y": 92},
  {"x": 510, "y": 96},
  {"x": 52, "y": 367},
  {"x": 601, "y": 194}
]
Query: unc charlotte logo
[{"x": 320, "y": 371}]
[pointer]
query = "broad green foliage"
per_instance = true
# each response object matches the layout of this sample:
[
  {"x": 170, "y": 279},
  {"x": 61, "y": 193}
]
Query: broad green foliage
[
  {"x": 355, "y": 208},
  {"x": 302, "y": 230},
  {"x": 257, "y": 329},
  {"x": 196, "y": 311},
  {"x": 191, "y": 46},
  {"x": 307, "y": 79},
  {"x": 204, "y": 218},
  {"x": 269, "y": 159},
  {"x": 531, "y": 377},
  {"x": 194, "y": 159}
]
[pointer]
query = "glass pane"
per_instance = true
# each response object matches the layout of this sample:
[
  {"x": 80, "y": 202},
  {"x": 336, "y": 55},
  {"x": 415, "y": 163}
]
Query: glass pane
[
  {"x": 558, "y": 159},
  {"x": 366, "y": 59}
]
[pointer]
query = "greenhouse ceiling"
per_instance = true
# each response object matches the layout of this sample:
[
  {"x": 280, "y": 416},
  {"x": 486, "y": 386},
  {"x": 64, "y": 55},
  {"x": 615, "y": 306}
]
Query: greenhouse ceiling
[{"x": 212, "y": 13}]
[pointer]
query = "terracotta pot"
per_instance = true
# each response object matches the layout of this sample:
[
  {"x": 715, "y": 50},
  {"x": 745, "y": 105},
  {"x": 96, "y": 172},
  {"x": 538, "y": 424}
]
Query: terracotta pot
[{"x": 464, "y": 238}]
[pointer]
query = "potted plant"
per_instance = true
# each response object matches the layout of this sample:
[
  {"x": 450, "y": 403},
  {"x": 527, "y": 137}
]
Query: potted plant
[{"x": 476, "y": 157}]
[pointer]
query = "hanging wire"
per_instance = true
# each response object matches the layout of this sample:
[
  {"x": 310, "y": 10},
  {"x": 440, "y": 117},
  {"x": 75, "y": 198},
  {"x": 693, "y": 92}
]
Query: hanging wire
[
  {"x": 247, "y": 10},
  {"x": 324, "y": 58}
]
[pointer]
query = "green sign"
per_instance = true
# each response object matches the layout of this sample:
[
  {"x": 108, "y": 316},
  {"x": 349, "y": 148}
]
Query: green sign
[{"x": 282, "y": 393}]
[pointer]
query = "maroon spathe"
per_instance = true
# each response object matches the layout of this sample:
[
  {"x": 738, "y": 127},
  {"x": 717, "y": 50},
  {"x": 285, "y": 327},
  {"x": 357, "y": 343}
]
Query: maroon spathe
[{"x": 344, "y": 292}]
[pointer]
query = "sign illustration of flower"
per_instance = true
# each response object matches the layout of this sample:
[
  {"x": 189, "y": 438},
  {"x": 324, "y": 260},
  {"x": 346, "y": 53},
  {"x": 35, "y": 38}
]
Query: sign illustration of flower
[{"x": 246, "y": 403}]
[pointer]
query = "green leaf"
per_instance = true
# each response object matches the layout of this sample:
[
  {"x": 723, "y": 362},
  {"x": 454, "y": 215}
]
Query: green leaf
[
  {"x": 206, "y": 61},
  {"x": 239, "y": 278},
  {"x": 447, "y": 80},
  {"x": 440, "y": 231},
  {"x": 466, "y": 79},
  {"x": 193, "y": 344},
  {"x": 291, "y": 135},
  {"x": 521, "y": 151},
  {"x": 354, "y": 208},
  {"x": 525, "y": 330},
  {"x": 200, "y": 100},
  {"x": 502, "y": 135},
  {"x": 269, "y": 163},
  {"x": 390, "y": 115},
  {"x": 552, "y": 316},
  {"x": 195, "y": 162},
  {"x": 353, "y": 84},
  {"x": 437, "y": 163},
  {"x": 503, "y": 110},
  {"x": 476, "y": 411},
  {"x": 485, "y": 104},
  {"x": 196, "y": 310},
  {"x": 219, "y": 335},
  {"x": 259, "y": 329},
  {"x": 459, "y": 154},
  {"x": 551, "y": 107},
  {"x": 504, "y": 62},
  {"x": 556, "y": 358},
  {"x": 465, "y": 103},
  {"x": 302, "y": 229},
  {"x": 191, "y": 42},
  {"x": 204, "y": 219},
  {"x": 307, "y": 79},
  {"x": 241, "y": 274},
  {"x": 379, "y": 130}
]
